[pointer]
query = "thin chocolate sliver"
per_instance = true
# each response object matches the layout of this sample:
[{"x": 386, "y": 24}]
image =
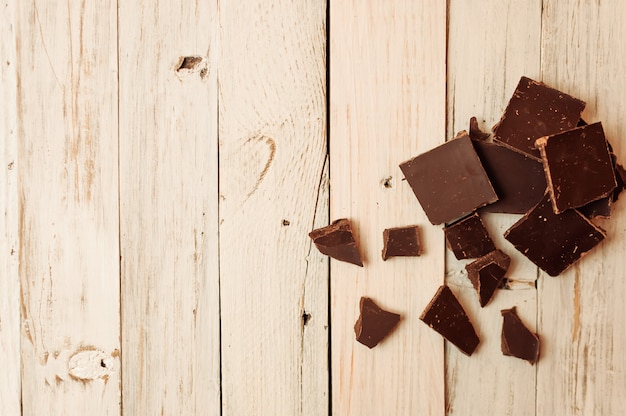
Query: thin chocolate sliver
[
  {"x": 337, "y": 241},
  {"x": 517, "y": 340},
  {"x": 401, "y": 242},
  {"x": 445, "y": 315},
  {"x": 468, "y": 238},
  {"x": 374, "y": 323},
  {"x": 487, "y": 274},
  {"x": 475, "y": 132}
]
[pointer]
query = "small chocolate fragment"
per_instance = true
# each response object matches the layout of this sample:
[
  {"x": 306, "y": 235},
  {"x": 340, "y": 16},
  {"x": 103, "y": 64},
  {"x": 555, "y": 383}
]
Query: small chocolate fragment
[
  {"x": 468, "y": 238},
  {"x": 487, "y": 274},
  {"x": 620, "y": 175},
  {"x": 518, "y": 180},
  {"x": 449, "y": 181},
  {"x": 337, "y": 241},
  {"x": 517, "y": 340},
  {"x": 534, "y": 111},
  {"x": 445, "y": 315},
  {"x": 374, "y": 323},
  {"x": 578, "y": 166},
  {"x": 553, "y": 241},
  {"x": 600, "y": 208},
  {"x": 401, "y": 242},
  {"x": 475, "y": 132}
]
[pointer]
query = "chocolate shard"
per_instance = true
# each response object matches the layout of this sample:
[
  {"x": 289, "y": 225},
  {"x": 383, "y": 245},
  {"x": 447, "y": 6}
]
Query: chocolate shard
[
  {"x": 620, "y": 175},
  {"x": 468, "y": 238},
  {"x": 578, "y": 166},
  {"x": 517, "y": 340},
  {"x": 519, "y": 180},
  {"x": 475, "y": 132},
  {"x": 449, "y": 181},
  {"x": 553, "y": 241},
  {"x": 600, "y": 208},
  {"x": 445, "y": 315},
  {"x": 487, "y": 274},
  {"x": 374, "y": 323},
  {"x": 337, "y": 241},
  {"x": 534, "y": 111},
  {"x": 401, "y": 242}
]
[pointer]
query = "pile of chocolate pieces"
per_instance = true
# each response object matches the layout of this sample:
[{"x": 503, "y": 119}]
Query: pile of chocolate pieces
[{"x": 544, "y": 162}]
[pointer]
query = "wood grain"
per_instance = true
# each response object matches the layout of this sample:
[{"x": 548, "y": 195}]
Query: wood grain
[
  {"x": 68, "y": 207},
  {"x": 490, "y": 46},
  {"x": 168, "y": 204},
  {"x": 10, "y": 378},
  {"x": 583, "y": 368},
  {"x": 387, "y": 104},
  {"x": 273, "y": 191}
]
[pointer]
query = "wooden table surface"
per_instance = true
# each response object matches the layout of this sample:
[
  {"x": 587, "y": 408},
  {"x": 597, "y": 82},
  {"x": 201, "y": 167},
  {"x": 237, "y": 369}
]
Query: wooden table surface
[{"x": 162, "y": 165}]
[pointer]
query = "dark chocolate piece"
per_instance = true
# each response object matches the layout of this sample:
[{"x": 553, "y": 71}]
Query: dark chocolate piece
[
  {"x": 553, "y": 241},
  {"x": 475, "y": 132},
  {"x": 337, "y": 241},
  {"x": 597, "y": 209},
  {"x": 487, "y": 274},
  {"x": 449, "y": 181},
  {"x": 620, "y": 175},
  {"x": 578, "y": 166},
  {"x": 401, "y": 242},
  {"x": 517, "y": 340},
  {"x": 445, "y": 315},
  {"x": 534, "y": 111},
  {"x": 518, "y": 180},
  {"x": 374, "y": 323},
  {"x": 468, "y": 238}
]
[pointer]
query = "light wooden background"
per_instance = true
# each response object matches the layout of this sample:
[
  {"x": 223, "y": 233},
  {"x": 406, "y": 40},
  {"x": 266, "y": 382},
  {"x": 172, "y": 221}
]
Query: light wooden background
[{"x": 154, "y": 257}]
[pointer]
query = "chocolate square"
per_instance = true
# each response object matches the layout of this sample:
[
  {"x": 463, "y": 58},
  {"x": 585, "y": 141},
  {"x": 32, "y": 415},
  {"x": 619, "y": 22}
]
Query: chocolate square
[
  {"x": 401, "y": 242},
  {"x": 468, "y": 238}
]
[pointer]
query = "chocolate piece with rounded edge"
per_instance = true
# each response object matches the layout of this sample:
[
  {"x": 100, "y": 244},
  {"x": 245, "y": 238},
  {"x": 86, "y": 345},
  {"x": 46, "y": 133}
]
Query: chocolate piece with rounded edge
[
  {"x": 337, "y": 241},
  {"x": 445, "y": 315},
  {"x": 475, "y": 132},
  {"x": 517, "y": 340},
  {"x": 401, "y": 242},
  {"x": 553, "y": 241},
  {"x": 374, "y": 323},
  {"x": 468, "y": 238},
  {"x": 578, "y": 166},
  {"x": 534, "y": 111},
  {"x": 449, "y": 181},
  {"x": 487, "y": 274}
]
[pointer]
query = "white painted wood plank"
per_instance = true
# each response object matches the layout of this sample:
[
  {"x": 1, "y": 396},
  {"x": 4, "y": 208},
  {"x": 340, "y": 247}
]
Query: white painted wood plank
[
  {"x": 10, "y": 384},
  {"x": 387, "y": 104},
  {"x": 273, "y": 191},
  {"x": 583, "y": 368},
  {"x": 490, "y": 45},
  {"x": 168, "y": 188},
  {"x": 68, "y": 207}
]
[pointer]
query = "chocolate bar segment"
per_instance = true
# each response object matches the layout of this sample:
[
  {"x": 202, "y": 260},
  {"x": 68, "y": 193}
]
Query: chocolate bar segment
[
  {"x": 449, "y": 181},
  {"x": 468, "y": 238},
  {"x": 578, "y": 166},
  {"x": 374, "y": 323},
  {"x": 517, "y": 340},
  {"x": 534, "y": 111},
  {"x": 487, "y": 274},
  {"x": 553, "y": 241},
  {"x": 445, "y": 315},
  {"x": 337, "y": 241},
  {"x": 401, "y": 242}
]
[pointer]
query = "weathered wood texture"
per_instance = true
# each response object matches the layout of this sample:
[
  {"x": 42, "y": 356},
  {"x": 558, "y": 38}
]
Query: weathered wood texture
[
  {"x": 168, "y": 205},
  {"x": 387, "y": 104},
  {"x": 581, "y": 314},
  {"x": 273, "y": 191},
  {"x": 10, "y": 386},
  {"x": 68, "y": 206}
]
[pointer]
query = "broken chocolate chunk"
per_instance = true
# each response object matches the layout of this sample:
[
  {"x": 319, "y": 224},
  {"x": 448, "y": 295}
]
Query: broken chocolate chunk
[
  {"x": 620, "y": 175},
  {"x": 553, "y": 241},
  {"x": 337, "y": 241},
  {"x": 468, "y": 238},
  {"x": 534, "y": 111},
  {"x": 445, "y": 315},
  {"x": 518, "y": 180},
  {"x": 374, "y": 323},
  {"x": 475, "y": 132},
  {"x": 600, "y": 208},
  {"x": 487, "y": 274},
  {"x": 517, "y": 340},
  {"x": 401, "y": 242},
  {"x": 578, "y": 166},
  {"x": 449, "y": 181}
]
